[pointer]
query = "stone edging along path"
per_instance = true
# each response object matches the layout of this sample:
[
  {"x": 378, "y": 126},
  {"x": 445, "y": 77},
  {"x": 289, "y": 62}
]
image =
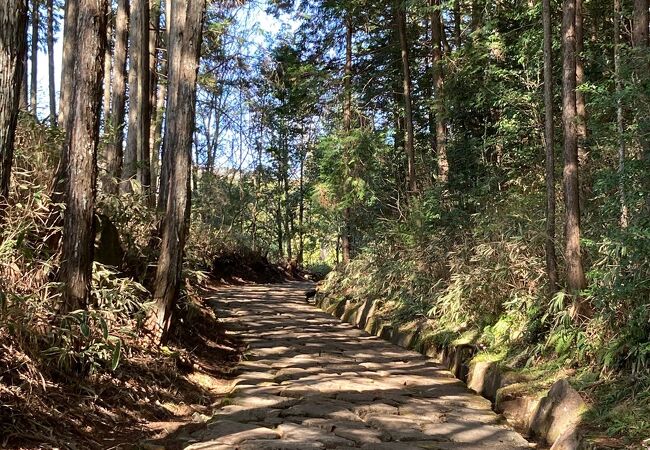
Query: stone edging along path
[{"x": 551, "y": 419}]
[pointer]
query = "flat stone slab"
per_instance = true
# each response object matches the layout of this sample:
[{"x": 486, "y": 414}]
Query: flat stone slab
[
  {"x": 229, "y": 432},
  {"x": 312, "y": 382}
]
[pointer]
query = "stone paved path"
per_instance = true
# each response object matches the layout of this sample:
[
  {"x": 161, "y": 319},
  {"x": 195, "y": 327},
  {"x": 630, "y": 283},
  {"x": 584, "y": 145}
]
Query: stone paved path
[{"x": 312, "y": 382}]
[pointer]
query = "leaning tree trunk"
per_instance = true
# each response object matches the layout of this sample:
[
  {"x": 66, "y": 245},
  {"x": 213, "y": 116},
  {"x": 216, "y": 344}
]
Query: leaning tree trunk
[
  {"x": 115, "y": 123},
  {"x": 438, "y": 83},
  {"x": 50, "y": 61},
  {"x": 575, "y": 274},
  {"x": 81, "y": 148},
  {"x": 13, "y": 17},
  {"x": 136, "y": 156},
  {"x": 184, "y": 50},
  {"x": 549, "y": 140},
  {"x": 407, "y": 90}
]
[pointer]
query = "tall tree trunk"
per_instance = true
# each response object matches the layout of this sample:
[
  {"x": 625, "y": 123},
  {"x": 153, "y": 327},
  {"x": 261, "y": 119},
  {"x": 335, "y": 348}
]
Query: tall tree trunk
[
  {"x": 581, "y": 109},
  {"x": 438, "y": 83},
  {"x": 347, "y": 127},
  {"x": 575, "y": 273},
  {"x": 13, "y": 17},
  {"x": 407, "y": 90},
  {"x": 136, "y": 155},
  {"x": 165, "y": 160},
  {"x": 24, "y": 85},
  {"x": 287, "y": 204},
  {"x": 154, "y": 140},
  {"x": 161, "y": 97},
  {"x": 549, "y": 141},
  {"x": 34, "y": 57},
  {"x": 108, "y": 63},
  {"x": 624, "y": 218},
  {"x": 301, "y": 210},
  {"x": 115, "y": 143},
  {"x": 81, "y": 144},
  {"x": 50, "y": 61},
  {"x": 67, "y": 67},
  {"x": 184, "y": 49}
]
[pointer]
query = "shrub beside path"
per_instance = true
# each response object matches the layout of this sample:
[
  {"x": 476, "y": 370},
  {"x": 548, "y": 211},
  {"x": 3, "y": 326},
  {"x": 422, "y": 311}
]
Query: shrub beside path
[{"x": 309, "y": 381}]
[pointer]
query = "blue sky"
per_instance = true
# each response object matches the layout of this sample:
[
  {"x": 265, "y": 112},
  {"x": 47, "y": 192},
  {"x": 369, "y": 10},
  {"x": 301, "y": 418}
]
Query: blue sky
[{"x": 250, "y": 16}]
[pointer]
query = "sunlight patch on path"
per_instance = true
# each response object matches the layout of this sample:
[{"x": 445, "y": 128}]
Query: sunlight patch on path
[{"x": 311, "y": 382}]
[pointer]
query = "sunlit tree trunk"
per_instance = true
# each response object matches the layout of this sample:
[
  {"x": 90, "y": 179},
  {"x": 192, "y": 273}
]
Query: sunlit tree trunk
[
  {"x": 438, "y": 84},
  {"x": 115, "y": 124},
  {"x": 67, "y": 67},
  {"x": 285, "y": 196},
  {"x": 400, "y": 16},
  {"x": 136, "y": 154},
  {"x": 82, "y": 139},
  {"x": 108, "y": 63},
  {"x": 33, "y": 88},
  {"x": 24, "y": 85},
  {"x": 301, "y": 209},
  {"x": 13, "y": 17},
  {"x": 50, "y": 61},
  {"x": 184, "y": 49},
  {"x": 154, "y": 133},
  {"x": 549, "y": 141},
  {"x": 163, "y": 176},
  {"x": 573, "y": 257}
]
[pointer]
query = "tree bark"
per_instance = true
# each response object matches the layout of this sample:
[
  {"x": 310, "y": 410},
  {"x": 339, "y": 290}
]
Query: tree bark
[
  {"x": 13, "y": 17},
  {"x": 184, "y": 51},
  {"x": 24, "y": 85},
  {"x": 136, "y": 155},
  {"x": 575, "y": 273},
  {"x": 108, "y": 64},
  {"x": 549, "y": 141},
  {"x": 67, "y": 67},
  {"x": 81, "y": 145},
  {"x": 163, "y": 177},
  {"x": 34, "y": 58},
  {"x": 438, "y": 84},
  {"x": 301, "y": 209},
  {"x": 347, "y": 127},
  {"x": 154, "y": 41},
  {"x": 50, "y": 61},
  {"x": 400, "y": 16},
  {"x": 115, "y": 142},
  {"x": 640, "y": 24}
]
